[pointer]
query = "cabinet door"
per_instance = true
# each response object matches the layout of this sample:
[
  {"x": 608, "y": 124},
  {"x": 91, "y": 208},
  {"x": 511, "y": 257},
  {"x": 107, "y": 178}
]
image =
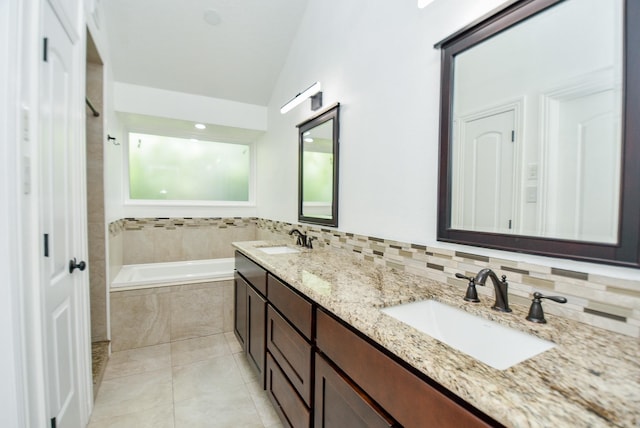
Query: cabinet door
[
  {"x": 240, "y": 309},
  {"x": 340, "y": 403},
  {"x": 256, "y": 343}
]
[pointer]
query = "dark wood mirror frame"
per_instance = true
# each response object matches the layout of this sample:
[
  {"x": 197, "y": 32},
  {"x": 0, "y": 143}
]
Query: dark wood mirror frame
[
  {"x": 332, "y": 113},
  {"x": 627, "y": 251}
]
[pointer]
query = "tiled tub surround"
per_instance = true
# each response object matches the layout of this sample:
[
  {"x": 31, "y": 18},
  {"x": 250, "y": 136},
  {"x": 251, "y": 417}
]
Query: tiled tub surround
[
  {"x": 158, "y": 315},
  {"x": 591, "y": 378},
  {"x": 156, "y": 240},
  {"x": 605, "y": 302}
]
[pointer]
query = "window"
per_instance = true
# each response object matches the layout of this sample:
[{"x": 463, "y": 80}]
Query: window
[{"x": 179, "y": 169}]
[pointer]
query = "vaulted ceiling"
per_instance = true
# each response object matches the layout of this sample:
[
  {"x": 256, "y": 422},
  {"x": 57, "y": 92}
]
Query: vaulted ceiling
[{"x": 168, "y": 44}]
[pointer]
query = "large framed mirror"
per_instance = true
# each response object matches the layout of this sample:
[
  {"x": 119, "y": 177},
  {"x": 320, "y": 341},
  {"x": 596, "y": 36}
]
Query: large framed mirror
[
  {"x": 318, "y": 141},
  {"x": 539, "y": 134}
]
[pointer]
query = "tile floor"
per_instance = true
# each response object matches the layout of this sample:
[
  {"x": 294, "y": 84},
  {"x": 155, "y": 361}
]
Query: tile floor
[{"x": 203, "y": 382}]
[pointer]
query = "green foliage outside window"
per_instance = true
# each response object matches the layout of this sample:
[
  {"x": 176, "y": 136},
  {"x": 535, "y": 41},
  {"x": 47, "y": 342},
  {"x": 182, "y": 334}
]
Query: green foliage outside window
[
  {"x": 167, "y": 168},
  {"x": 317, "y": 177}
]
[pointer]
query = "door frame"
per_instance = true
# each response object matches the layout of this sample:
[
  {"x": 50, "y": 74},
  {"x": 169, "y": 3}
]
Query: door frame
[{"x": 549, "y": 101}]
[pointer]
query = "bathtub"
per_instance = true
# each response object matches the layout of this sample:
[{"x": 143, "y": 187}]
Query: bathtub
[{"x": 149, "y": 275}]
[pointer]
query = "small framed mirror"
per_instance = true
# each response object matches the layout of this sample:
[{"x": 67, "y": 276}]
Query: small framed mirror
[{"x": 318, "y": 142}]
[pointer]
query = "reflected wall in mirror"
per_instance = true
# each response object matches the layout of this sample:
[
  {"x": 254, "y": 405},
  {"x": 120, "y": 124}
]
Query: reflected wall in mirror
[
  {"x": 536, "y": 148},
  {"x": 318, "y": 168}
]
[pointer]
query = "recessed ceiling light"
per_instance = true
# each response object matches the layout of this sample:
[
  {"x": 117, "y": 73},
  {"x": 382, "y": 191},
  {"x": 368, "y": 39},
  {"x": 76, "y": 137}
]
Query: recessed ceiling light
[
  {"x": 200, "y": 126},
  {"x": 212, "y": 17}
]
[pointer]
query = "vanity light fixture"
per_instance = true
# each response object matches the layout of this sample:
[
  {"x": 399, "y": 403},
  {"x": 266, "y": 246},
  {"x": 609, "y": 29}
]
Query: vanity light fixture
[
  {"x": 314, "y": 92},
  {"x": 200, "y": 126}
]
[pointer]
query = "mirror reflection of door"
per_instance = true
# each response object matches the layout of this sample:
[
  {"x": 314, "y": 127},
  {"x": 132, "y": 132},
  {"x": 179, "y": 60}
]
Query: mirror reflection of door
[
  {"x": 583, "y": 172},
  {"x": 483, "y": 200}
]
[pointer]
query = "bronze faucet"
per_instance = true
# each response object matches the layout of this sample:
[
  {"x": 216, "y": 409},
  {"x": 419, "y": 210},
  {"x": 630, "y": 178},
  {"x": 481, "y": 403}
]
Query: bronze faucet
[{"x": 500, "y": 286}]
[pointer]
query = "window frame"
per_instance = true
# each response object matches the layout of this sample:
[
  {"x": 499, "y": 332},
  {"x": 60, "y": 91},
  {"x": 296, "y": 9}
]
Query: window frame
[{"x": 126, "y": 191}]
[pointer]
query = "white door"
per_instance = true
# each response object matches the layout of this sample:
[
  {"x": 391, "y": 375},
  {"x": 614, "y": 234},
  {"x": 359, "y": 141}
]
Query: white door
[
  {"x": 485, "y": 174},
  {"x": 62, "y": 302},
  {"x": 586, "y": 166}
]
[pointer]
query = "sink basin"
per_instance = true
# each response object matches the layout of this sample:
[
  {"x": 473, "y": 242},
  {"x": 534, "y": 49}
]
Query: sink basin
[
  {"x": 495, "y": 345},
  {"x": 283, "y": 249}
]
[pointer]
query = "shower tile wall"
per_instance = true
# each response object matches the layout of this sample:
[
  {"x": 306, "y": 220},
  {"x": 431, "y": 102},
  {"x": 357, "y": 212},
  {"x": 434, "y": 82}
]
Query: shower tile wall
[{"x": 95, "y": 203}]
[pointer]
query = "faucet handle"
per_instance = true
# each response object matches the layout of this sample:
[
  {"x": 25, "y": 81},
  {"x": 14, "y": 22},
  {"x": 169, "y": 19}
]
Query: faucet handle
[
  {"x": 461, "y": 276},
  {"x": 472, "y": 294},
  {"x": 309, "y": 241},
  {"x": 536, "y": 314}
]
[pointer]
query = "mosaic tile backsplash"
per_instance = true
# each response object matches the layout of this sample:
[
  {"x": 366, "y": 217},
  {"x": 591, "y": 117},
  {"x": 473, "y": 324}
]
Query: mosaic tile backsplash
[{"x": 605, "y": 302}]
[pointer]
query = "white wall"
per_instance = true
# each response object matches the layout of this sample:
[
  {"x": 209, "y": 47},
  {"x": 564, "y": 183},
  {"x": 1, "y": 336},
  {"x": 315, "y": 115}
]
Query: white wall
[
  {"x": 377, "y": 59},
  {"x": 177, "y": 105}
]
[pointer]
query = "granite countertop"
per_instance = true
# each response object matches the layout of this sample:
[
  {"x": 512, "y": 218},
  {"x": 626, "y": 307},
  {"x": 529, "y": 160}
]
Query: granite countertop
[{"x": 590, "y": 379}]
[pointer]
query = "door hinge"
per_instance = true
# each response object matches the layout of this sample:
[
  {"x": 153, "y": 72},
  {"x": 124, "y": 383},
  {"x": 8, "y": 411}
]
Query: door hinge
[
  {"x": 513, "y": 136},
  {"x": 53, "y": 422},
  {"x": 46, "y": 245},
  {"x": 45, "y": 49},
  {"x": 509, "y": 224}
]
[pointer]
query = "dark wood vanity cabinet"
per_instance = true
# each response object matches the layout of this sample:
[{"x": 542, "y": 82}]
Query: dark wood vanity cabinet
[
  {"x": 320, "y": 372},
  {"x": 409, "y": 399},
  {"x": 289, "y": 353},
  {"x": 250, "y": 304}
]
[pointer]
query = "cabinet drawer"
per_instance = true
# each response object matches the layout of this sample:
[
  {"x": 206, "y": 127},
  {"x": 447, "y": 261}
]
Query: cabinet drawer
[
  {"x": 252, "y": 272},
  {"x": 406, "y": 397},
  {"x": 291, "y": 351},
  {"x": 340, "y": 403},
  {"x": 288, "y": 404},
  {"x": 295, "y": 308}
]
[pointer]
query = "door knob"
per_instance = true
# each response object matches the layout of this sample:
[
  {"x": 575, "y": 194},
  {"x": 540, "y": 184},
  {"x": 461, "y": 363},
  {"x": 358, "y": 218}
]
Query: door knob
[{"x": 73, "y": 265}]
